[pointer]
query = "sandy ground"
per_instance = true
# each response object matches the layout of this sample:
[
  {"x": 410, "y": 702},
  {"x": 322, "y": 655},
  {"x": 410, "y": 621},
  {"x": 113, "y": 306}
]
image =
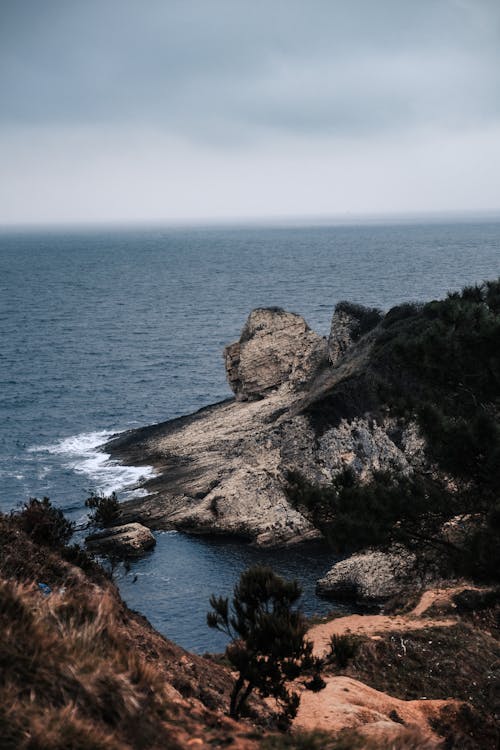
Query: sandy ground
[
  {"x": 371, "y": 626},
  {"x": 346, "y": 703}
]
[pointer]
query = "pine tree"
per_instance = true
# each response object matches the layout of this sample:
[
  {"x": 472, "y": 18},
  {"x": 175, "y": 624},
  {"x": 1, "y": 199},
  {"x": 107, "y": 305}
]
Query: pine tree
[{"x": 267, "y": 631}]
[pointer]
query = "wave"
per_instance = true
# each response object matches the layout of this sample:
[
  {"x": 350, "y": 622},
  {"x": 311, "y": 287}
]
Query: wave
[{"x": 86, "y": 458}]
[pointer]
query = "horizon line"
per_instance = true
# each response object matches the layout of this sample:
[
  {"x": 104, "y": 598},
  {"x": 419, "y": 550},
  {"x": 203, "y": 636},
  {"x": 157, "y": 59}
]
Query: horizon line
[{"x": 277, "y": 221}]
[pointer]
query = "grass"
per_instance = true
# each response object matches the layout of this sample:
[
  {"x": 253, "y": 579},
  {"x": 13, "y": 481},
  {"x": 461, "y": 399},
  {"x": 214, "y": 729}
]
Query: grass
[
  {"x": 408, "y": 739},
  {"x": 79, "y": 671},
  {"x": 424, "y": 663},
  {"x": 315, "y": 740},
  {"x": 460, "y": 662},
  {"x": 64, "y": 670}
]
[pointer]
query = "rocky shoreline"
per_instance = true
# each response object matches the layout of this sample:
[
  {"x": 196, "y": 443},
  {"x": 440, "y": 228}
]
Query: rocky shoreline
[
  {"x": 100, "y": 676},
  {"x": 310, "y": 431},
  {"x": 302, "y": 404}
]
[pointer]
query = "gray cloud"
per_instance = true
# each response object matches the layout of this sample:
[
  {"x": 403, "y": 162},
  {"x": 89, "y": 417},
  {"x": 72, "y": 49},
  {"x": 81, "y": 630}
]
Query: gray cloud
[
  {"x": 178, "y": 108},
  {"x": 206, "y": 67}
]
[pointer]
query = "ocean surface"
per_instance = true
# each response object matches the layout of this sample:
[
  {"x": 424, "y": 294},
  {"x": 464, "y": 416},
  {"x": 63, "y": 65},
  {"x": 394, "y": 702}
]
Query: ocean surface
[{"x": 103, "y": 330}]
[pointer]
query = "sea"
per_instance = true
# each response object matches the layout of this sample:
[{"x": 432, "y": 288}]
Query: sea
[{"x": 106, "y": 329}]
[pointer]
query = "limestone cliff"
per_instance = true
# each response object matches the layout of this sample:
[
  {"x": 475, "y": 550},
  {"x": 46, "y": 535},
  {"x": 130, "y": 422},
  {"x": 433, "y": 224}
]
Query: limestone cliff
[
  {"x": 224, "y": 469},
  {"x": 275, "y": 347}
]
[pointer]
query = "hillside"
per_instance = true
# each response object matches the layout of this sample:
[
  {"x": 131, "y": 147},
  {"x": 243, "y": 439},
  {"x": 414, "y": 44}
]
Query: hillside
[
  {"x": 381, "y": 434},
  {"x": 384, "y": 440},
  {"x": 80, "y": 671}
]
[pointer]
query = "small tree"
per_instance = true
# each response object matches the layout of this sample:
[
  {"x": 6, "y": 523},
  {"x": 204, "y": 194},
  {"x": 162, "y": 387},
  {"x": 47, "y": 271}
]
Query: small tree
[
  {"x": 106, "y": 508},
  {"x": 268, "y": 644},
  {"x": 44, "y": 523}
]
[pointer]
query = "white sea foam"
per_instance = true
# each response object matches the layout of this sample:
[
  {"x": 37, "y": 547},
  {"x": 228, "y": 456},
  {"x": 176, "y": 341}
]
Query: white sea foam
[{"x": 107, "y": 475}]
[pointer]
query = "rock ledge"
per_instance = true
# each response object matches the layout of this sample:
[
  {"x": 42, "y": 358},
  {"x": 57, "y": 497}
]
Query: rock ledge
[
  {"x": 127, "y": 540},
  {"x": 370, "y": 576}
]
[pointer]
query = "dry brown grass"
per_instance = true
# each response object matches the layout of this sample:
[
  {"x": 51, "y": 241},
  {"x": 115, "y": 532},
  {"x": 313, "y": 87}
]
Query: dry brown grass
[
  {"x": 79, "y": 671},
  {"x": 64, "y": 672},
  {"x": 461, "y": 662}
]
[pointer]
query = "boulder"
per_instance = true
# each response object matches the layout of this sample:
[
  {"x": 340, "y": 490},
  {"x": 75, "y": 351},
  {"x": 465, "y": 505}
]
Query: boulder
[
  {"x": 459, "y": 529},
  {"x": 370, "y": 576},
  {"x": 349, "y": 323},
  {"x": 127, "y": 540},
  {"x": 275, "y": 347}
]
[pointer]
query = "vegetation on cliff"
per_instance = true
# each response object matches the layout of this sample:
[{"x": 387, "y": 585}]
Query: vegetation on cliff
[
  {"x": 80, "y": 671},
  {"x": 268, "y": 646},
  {"x": 438, "y": 363},
  {"x": 441, "y": 360}
]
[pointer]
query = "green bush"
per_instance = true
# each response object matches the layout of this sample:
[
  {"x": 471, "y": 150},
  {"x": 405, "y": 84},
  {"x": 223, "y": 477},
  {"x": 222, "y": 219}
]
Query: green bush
[
  {"x": 268, "y": 644},
  {"x": 389, "y": 509},
  {"x": 343, "y": 648},
  {"x": 401, "y": 312},
  {"x": 443, "y": 361},
  {"x": 106, "y": 509},
  {"x": 440, "y": 363},
  {"x": 44, "y": 523}
]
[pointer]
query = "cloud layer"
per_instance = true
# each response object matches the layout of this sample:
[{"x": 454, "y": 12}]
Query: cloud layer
[{"x": 116, "y": 109}]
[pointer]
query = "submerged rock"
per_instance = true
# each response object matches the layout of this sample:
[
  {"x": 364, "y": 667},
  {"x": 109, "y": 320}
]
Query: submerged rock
[
  {"x": 275, "y": 347},
  {"x": 127, "y": 540},
  {"x": 369, "y": 576}
]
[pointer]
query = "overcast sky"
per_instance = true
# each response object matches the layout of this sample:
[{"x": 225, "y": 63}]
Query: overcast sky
[{"x": 171, "y": 110}]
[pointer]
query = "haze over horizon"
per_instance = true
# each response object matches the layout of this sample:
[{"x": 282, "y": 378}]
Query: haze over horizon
[{"x": 116, "y": 111}]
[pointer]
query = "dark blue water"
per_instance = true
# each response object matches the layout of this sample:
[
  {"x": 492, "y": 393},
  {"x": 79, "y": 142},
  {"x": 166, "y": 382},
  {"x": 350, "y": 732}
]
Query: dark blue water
[{"x": 106, "y": 330}]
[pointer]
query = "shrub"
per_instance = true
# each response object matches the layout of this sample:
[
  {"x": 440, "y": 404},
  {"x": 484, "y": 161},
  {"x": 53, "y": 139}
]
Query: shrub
[
  {"x": 316, "y": 683},
  {"x": 367, "y": 318},
  {"x": 44, "y": 523},
  {"x": 343, "y": 648},
  {"x": 400, "y": 312},
  {"x": 268, "y": 644},
  {"x": 444, "y": 360},
  {"x": 106, "y": 509},
  {"x": 441, "y": 363},
  {"x": 76, "y": 555},
  {"x": 388, "y": 509}
]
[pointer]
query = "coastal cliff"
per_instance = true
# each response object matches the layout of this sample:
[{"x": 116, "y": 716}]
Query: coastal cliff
[
  {"x": 383, "y": 436},
  {"x": 224, "y": 469},
  {"x": 383, "y": 440}
]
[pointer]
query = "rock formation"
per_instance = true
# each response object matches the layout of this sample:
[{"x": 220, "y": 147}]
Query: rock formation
[
  {"x": 349, "y": 322},
  {"x": 224, "y": 469},
  {"x": 370, "y": 576},
  {"x": 275, "y": 347},
  {"x": 127, "y": 540}
]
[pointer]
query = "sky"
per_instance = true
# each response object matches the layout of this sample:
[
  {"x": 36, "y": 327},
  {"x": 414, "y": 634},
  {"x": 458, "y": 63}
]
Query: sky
[{"x": 222, "y": 110}]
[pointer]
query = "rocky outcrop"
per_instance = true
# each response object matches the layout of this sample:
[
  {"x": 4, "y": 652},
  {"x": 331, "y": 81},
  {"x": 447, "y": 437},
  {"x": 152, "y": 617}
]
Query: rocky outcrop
[
  {"x": 349, "y": 323},
  {"x": 249, "y": 504},
  {"x": 370, "y": 576},
  {"x": 275, "y": 347},
  {"x": 459, "y": 529},
  {"x": 346, "y": 703},
  {"x": 125, "y": 541},
  {"x": 224, "y": 469},
  {"x": 360, "y": 444}
]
